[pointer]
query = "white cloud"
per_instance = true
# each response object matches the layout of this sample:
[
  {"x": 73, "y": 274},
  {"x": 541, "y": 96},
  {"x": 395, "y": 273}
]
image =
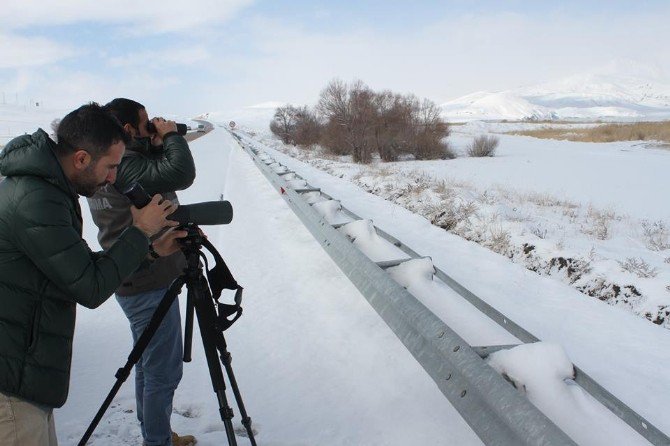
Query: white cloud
[
  {"x": 61, "y": 88},
  {"x": 16, "y": 51},
  {"x": 442, "y": 60},
  {"x": 277, "y": 61},
  {"x": 142, "y": 17},
  {"x": 157, "y": 59}
]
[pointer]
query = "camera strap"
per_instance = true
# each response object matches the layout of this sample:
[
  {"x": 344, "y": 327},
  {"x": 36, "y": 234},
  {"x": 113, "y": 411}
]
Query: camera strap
[{"x": 220, "y": 278}]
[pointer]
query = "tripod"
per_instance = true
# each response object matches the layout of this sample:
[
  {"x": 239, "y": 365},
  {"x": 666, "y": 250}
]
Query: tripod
[{"x": 212, "y": 324}]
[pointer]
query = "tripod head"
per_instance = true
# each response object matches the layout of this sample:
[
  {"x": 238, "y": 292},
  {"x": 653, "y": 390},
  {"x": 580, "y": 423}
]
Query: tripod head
[{"x": 193, "y": 240}]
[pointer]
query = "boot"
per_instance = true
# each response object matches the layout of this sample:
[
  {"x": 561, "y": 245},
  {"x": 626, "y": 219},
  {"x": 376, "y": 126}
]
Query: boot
[{"x": 185, "y": 440}]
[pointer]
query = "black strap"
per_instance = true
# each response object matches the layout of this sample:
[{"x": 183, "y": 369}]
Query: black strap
[{"x": 221, "y": 278}]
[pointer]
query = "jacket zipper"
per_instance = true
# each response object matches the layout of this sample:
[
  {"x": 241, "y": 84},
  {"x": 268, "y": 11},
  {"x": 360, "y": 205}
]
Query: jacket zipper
[{"x": 35, "y": 328}]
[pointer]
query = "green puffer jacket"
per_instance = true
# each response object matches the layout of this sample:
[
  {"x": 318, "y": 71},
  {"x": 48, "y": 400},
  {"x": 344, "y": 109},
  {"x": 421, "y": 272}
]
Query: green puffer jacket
[{"x": 46, "y": 268}]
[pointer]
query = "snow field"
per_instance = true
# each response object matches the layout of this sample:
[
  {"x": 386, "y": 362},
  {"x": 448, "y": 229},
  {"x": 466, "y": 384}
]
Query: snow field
[
  {"x": 542, "y": 371},
  {"x": 528, "y": 203},
  {"x": 623, "y": 353},
  {"x": 629, "y": 359}
]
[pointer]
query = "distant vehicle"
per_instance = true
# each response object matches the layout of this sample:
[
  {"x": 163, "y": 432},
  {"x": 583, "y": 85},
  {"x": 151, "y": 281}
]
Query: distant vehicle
[{"x": 201, "y": 128}]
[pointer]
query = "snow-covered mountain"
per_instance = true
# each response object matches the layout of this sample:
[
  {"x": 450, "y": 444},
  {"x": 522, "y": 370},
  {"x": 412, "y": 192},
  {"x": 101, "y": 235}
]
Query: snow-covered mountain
[{"x": 585, "y": 96}]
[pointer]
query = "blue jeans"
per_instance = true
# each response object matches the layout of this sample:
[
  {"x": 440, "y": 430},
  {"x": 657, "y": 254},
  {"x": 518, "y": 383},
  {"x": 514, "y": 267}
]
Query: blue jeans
[{"x": 159, "y": 371}]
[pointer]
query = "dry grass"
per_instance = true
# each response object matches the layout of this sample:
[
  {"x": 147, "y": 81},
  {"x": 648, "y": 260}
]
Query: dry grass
[
  {"x": 637, "y": 131},
  {"x": 547, "y": 200}
]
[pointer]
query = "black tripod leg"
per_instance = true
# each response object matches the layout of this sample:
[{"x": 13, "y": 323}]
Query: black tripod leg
[
  {"x": 204, "y": 308},
  {"x": 226, "y": 360},
  {"x": 136, "y": 353},
  {"x": 188, "y": 328}
]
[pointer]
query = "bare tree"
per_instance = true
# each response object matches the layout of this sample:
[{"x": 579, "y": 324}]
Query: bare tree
[
  {"x": 349, "y": 113},
  {"x": 431, "y": 130},
  {"x": 393, "y": 125},
  {"x": 307, "y": 127},
  {"x": 283, "y": 123},
  {"x": 354, "y": 120}
]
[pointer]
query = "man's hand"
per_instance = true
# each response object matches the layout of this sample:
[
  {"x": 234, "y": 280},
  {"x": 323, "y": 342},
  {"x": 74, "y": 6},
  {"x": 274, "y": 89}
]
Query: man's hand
[
  {"x": 167, "y": 243},
  {"x": 152, "y": 217},
  {"x": 163, "y": 127}
]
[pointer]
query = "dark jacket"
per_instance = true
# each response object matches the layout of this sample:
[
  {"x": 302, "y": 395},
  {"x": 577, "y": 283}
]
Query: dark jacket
[
  {"x": 46, "y": 268},
  {"x": 160, "y": 171}
]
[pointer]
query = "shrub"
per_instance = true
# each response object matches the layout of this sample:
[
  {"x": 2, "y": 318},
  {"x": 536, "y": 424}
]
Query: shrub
[
  {"x": 349, "y": 112},
  {"x": 638, "y": 267},
  {"x": 283, "y": 123},
  {"x": 351, "y": 119},
  {"x": 392, "y": 130},
  {"x": 307, "y": 128},
  {"x": 430, "y": 133},
  {"x": 656, "y": 235},
  {"x": 483, "y": 145},
  {"x": 598, "y": 228}
]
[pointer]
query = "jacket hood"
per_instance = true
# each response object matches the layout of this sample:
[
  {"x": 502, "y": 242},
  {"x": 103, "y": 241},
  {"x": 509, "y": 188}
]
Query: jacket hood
[{"x": 34, "y": 155}]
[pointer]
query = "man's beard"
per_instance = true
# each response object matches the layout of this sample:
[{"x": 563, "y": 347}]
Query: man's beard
[{"x": 86, "y": 184}]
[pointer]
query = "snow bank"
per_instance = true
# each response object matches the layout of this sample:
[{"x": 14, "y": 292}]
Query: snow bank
[
  {"x": 543, "y": 372},
  {"x": 417, "y": 276},
  {"x": 331, "y": 210},
  {"x": 364, "y": 236}
]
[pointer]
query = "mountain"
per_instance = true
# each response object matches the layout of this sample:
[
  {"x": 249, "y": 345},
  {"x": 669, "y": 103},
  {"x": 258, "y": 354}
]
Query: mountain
[{"x": 588, "y": 96}]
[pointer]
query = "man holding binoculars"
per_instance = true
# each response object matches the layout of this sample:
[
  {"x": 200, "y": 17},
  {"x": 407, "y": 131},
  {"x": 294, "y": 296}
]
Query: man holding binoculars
[{"x": 159, "y": 159}]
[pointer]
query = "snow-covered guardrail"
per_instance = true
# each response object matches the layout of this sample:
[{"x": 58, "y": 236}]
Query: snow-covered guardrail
[{"x": 492, "y": 407}]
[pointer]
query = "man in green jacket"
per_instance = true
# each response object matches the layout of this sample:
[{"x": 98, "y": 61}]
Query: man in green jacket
[
  {"x": 46, "y": 266},
  {"x": 161, "y": 162}
]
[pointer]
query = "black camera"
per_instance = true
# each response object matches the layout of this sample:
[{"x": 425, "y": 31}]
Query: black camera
[{"x": 181, "y": 128}]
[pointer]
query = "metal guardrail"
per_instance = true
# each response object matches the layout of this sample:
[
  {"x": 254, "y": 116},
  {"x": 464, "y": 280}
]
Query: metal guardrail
[{"x": 495, "y": 411}]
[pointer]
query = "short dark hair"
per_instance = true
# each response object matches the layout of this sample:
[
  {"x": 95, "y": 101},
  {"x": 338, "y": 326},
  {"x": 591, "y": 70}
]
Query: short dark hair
[
  {"x": 126, "y": 111},
  {"x": 90, "y": 127}
]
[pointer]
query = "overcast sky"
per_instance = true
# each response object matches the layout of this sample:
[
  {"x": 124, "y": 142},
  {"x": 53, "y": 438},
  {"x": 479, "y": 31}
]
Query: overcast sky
[{"x": 188, "y": 57}]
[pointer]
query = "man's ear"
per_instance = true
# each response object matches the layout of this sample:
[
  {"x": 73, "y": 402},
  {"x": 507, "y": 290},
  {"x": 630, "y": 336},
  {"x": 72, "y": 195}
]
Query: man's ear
[
  {"x": 81, "y": 159},
  {"x": 129, "y": 129}
]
